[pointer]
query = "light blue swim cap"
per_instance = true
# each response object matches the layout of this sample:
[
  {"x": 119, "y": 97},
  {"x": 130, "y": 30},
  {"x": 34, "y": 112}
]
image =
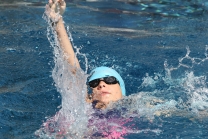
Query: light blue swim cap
[{"x": 101, "y": 72}]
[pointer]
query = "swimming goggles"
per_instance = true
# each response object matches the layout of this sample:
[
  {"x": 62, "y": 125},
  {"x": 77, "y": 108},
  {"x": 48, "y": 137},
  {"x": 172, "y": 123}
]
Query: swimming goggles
[{"x": 107, "y": 80}]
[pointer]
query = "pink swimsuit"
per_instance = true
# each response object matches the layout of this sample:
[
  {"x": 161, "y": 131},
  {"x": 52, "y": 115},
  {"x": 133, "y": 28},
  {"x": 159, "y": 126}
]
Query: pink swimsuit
[{"x": 109, "y": 125}]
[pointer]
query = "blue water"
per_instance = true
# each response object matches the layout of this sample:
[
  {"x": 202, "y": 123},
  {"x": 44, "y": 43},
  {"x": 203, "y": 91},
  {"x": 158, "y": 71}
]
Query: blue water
[{"x": 135, "y": 38}]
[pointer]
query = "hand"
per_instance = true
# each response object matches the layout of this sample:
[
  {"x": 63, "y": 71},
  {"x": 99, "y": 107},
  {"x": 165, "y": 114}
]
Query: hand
[
  {"x": 58, "y": 6},
  {"x": 55, "y": 9}
]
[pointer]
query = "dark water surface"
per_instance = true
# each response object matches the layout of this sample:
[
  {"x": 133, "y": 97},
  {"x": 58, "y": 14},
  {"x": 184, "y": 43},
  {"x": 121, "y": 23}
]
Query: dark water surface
[{"x": 136, "y": 37}]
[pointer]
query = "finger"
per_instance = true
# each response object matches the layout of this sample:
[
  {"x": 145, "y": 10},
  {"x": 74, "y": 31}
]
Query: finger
[
  {"x": 50, "y": 3},
  {"x": 61, "y": 2}
]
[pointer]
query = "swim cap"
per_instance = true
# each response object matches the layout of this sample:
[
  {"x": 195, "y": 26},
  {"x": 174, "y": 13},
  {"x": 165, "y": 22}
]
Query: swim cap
[{"x": 101, "y": 72}]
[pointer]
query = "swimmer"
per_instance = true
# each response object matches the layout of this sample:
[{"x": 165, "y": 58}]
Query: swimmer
[{"x": 106, "y": 84}]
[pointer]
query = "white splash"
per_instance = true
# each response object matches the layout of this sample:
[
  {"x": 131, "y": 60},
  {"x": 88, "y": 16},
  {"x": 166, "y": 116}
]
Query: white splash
[{"x": 72, "y": 119}]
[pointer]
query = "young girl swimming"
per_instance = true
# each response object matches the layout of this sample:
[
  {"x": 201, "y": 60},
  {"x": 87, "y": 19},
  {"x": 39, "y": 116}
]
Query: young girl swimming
[
  {"x": 107, "y": 87},
  {"x": 106, "y": 84}
]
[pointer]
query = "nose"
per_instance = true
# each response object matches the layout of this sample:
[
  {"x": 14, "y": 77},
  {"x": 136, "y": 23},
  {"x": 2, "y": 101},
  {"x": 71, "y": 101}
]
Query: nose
[{"x": 101, "y": 85}]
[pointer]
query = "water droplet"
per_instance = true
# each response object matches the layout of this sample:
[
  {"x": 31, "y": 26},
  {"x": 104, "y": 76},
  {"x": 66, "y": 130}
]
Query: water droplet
[{"x": 11, "y": 49}]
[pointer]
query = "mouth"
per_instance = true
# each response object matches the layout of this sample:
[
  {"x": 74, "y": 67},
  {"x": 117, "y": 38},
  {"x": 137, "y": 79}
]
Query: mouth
[{"x": 104, "y": 93}]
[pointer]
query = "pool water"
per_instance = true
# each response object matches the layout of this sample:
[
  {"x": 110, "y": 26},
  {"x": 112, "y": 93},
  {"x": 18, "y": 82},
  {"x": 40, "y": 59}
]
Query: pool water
[{"x": 159, "y": 48}]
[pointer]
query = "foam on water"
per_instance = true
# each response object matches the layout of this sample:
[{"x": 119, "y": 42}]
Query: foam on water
[{"x": 194, "y": 87}]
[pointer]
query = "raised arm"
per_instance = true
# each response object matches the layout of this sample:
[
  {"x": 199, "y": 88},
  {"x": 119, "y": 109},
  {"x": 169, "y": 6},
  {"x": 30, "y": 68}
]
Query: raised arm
[
  {"x": 57, "y": 8},
  {"x": 54, "y": 11},
  {"x": 66, "y": 44}
]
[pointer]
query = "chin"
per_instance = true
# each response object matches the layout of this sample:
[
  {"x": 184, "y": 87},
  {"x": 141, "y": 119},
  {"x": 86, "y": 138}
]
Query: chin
[{"x": 105, "y": 100}]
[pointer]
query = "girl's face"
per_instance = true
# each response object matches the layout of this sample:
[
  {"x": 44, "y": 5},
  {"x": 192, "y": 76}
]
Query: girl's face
[{"x": 106, "y": 92}]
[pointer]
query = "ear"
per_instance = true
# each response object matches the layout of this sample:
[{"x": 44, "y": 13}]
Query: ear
[{"x": 89, "y": 98}]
